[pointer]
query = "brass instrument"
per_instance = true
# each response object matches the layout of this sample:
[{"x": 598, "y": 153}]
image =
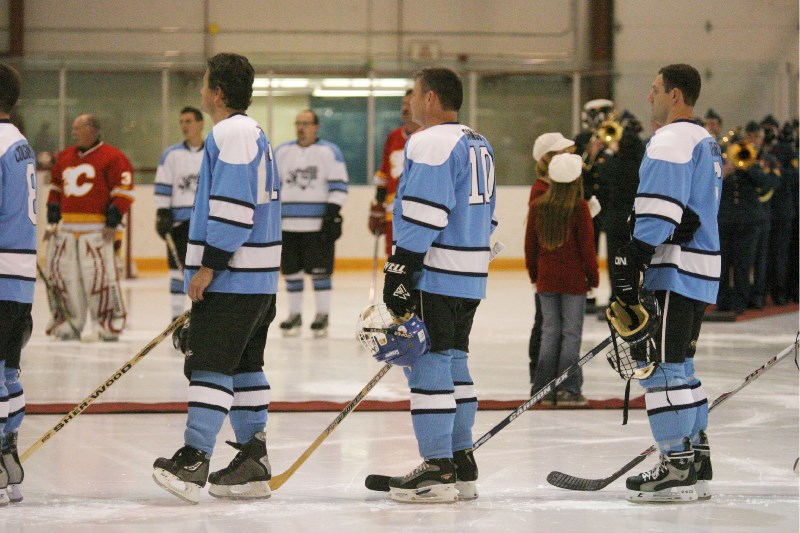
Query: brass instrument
[
  {"x": 741, "y": 154},
  {"x": 610, "y": 131}
]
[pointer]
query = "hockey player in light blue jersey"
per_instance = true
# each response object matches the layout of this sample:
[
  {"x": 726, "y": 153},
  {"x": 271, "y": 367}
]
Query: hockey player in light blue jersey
[
  {"x": 176, "y": 183},
  {"x": 232, "y": 277},
  {"x": 17, "y": 277},
  {"x": 443, "y": 217},
  {"x": 681, "y": 178}
]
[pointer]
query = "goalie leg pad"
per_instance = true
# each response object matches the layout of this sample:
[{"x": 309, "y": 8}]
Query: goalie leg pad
[
  {"x": 65, "y": 279},
  {"x": 101, "y": 285}
]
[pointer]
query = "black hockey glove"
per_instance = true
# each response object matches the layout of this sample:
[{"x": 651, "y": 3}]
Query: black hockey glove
[
  {"x": 163, "y": 222},
  {"x": 398, "y": 286},
  {"x": 331, "y": 224},
  {"x": 53, "y": 213},
  {"x": 625, "y": 268},
  {"x": 180, "y": 337},
  {"x": 685, "y": 231},
  {"x": 113, "y": 217}
]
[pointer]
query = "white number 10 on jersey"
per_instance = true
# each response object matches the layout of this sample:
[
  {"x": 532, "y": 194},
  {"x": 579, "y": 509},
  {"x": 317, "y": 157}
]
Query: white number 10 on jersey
[{"x": 482, "y": 167}]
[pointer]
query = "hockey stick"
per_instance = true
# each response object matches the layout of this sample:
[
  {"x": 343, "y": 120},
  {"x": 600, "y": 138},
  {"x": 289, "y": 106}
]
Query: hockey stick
[
  {"x": 277, "y": 481},
  {"x": 380, "y": 483},
  {"x": 281, "y": 478},
  {"x": 565, "y": 481},
  {"x": 374, "y": 285},
  {"x": 173, "y": 251},
  {"x": 113, "y": 378},
  {"x": 62, "y": 307}
]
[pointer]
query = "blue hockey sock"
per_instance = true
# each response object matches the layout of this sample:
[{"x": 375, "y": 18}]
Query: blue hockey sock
[
  {"x": 210, "y": 399},
  {"x": 16, "y": 400},
  {"x": 670, "y": 406},
  {"x": 700, "y": 400},
  {"x": 466, "y": 401},
  {"x": 250, "y": 405},
  {"x": 433, "y": 405}
]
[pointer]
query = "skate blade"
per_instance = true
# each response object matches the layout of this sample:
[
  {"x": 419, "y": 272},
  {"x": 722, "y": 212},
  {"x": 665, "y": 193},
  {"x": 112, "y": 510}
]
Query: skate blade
[
  {"x": 670, "y": 495},
  {"x": 319, "y": 333},
  {"x": 188, "y": 492},
  {"x": 703, "y": 490},
  {"x": 14, "y": 493},
  {"x": 294, "y": 332},
  {"x": 446, "y": 493},
  {"x": 467, "y": 490},
  {"x": 254, "y": 490}
]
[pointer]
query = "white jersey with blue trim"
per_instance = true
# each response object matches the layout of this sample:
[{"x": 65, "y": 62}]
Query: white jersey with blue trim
[
  {"x": 682, "y": 167},
  {"x": 311, "y": 177},
  {"x": 17, "y": 215},
  {"x": 235, "y": 227},
  {"x": 176, "y": 179},
  {"x": 444, "y": 208}
]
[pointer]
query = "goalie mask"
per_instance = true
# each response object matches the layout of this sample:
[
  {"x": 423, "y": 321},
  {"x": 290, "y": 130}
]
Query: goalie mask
[
  {"x": 635, "y": 323},
  {"x": 399, "y": 341}
]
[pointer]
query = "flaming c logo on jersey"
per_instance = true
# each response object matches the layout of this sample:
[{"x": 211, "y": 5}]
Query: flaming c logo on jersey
[{"x": 71, "y": 177}]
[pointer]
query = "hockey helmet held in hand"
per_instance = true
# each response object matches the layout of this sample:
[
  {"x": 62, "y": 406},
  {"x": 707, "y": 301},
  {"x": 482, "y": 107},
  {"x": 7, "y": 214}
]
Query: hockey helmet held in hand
[
  {"x": 400, "y": 341},
  {"x": 635, "y": 323}
]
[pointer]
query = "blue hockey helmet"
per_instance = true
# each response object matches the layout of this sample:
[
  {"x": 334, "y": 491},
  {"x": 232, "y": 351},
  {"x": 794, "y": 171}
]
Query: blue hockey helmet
[{"x": 400, "y": 341}]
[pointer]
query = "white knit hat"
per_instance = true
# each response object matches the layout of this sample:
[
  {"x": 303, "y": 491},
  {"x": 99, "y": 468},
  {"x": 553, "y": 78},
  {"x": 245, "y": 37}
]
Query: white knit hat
[
  {"x": 565, "y": 168},
  {"x": 549, "y": 142}
]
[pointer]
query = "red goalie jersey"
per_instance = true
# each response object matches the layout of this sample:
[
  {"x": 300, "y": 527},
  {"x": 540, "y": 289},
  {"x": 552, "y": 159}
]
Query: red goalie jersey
[
  {"x": 392, "y": 166},
  {"x": 84, "y": 184}
]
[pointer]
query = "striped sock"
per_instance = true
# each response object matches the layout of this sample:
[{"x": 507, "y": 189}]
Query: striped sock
[
  {"x": 250, "y": 407},
  {"x": 466, "y": 402},
  {"x": 433, "y": 404},
  {"x": 210, "y": 399}
]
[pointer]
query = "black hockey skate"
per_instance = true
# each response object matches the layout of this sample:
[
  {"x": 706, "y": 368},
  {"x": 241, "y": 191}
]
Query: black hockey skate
[
  {"x": 291, "y": 326},
  {"x": 11, "y": 462},
  {"x": 183, "y": 475},
  {"x": 671, "y": 480},
  {"x": 319, "y": 328},
  {"x": 247, "y": 475},
  {"x": 434, "y": 481},
  {"x": 466, "y": 474},
  {"x": 702, "y": 465}
]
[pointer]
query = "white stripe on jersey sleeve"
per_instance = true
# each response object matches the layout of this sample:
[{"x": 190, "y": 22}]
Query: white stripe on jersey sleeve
[
  {"x": 14, "y": 264},
  {"x": 473, "y": 261},
  {"x": 256, "y": 257},
  {"x": 235, "y": 212},
  {"x": 646, "y": 205},
  {"x": 674, "y": 143},
  {"x": 337, "y": 197},
  {"x": 426, "y": 214},
  {"x": 237, "y": 145},
  {"x": 688, "y": 261}
]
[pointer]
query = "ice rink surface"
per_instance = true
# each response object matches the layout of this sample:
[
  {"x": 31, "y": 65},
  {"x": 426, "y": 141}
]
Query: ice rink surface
[{"x": 95, "y": 474}]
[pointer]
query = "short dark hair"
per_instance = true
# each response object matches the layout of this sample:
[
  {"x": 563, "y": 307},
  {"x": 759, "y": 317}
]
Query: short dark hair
[
  {"x": 409, "y": 91},
  {"x": 445, "y": 84},
  {"x": 684, "y": 78},
  {"x": 752, "y": 127},
  {"x": 198, "y": 115},
  {"x": 314, "y": 116},
  {"x": 10, "y": 84},
  {"x": 233, "y": 74}
]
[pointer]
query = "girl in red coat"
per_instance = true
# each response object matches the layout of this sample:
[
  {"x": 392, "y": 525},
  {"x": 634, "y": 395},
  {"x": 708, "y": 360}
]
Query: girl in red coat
[{"x": 563, "y": 265}]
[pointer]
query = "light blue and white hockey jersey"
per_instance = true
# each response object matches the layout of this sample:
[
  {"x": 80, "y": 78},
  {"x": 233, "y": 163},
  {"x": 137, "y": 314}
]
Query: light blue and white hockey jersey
[
  {"x": 235, "y": 227},
  {"x": 445, "y": 208},
  {"x": 311, "y": 178},
  {"x": 176, "y": 180},
  {"x": 682, "y": 167},
  {"x": 17, "y": 215}
]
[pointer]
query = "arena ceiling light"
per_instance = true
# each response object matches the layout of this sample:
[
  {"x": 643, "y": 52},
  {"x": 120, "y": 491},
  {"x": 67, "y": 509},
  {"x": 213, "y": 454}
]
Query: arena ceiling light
[{"x": 281, "y": 83}]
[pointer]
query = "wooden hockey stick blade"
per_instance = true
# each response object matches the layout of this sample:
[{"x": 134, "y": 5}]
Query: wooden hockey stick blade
[
  {"x": 380, "y": 483},
  {"x": 81, "y": 407},
  {"x": 277, "y": 481},
  {"x": 568, "y": 482}
]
